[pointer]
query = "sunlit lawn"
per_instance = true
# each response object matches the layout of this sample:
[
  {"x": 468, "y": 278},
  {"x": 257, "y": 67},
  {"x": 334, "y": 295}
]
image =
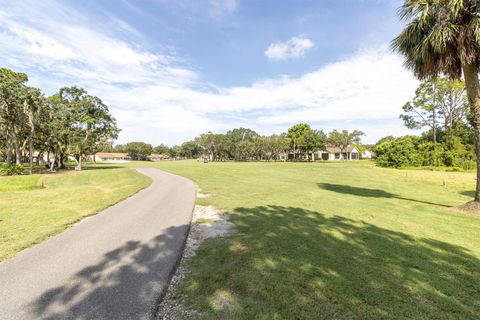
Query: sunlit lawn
[
  {"x": 33, "y": 208},
  {"x": 335, "y": 241},
  {"x": 324, "y": 240}
]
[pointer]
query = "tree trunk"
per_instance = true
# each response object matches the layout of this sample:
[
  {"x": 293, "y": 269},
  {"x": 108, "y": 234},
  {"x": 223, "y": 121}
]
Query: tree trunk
[
  {"x": 30, "y": 151},
  {"x": 9, "y": 147},
  {"x": 52, "y": 164},
  {"x": 472, "y": 85},
  {"x": 434, "y": 117},
  {"x": 17, "y": 149},
  {"x": 294, "y": 155}
]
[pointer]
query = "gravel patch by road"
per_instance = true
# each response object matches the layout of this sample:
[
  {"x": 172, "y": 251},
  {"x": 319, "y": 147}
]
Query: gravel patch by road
[{"x": 207, "y": 222}]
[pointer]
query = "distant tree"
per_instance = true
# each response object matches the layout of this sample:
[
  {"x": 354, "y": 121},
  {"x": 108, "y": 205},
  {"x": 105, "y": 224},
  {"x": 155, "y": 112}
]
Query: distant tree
[
  {"x": 314, "y": 140},
  {"x": 385, "y": 139},
  {"x": 443, "y": 37},
  {"x": 175, "y": 152},
  {"x": 298, "y": 137},
  {"x": 241, "y": 134},
  {"x": 12, "y": 117},
  {"x": 343, "y": 139},
  {"x": 438, "y": 102},
  {"x": 162, "y": 149},
  {"x": 138, "y": 150},
  {"x": 34, "y": 101},
  {"x": 105, "y": 145},
  {"x": 190, "y": 149},
  {"x": 280, "y": 144},
  {"x": 88, "y": 121},
  {"x": 233, "y": 142}
]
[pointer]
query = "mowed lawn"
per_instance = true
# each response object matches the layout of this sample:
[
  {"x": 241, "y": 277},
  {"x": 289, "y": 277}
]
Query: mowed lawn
[
  {"x": 335, "y": 241},
  {"x": 33, "y": 208}
]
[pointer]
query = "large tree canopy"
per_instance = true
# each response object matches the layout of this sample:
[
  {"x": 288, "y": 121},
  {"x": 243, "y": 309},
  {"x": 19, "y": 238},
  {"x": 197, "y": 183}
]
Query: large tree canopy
[
  {"x": 69, "y": 123},
  {"x": 443, "y": 37}
]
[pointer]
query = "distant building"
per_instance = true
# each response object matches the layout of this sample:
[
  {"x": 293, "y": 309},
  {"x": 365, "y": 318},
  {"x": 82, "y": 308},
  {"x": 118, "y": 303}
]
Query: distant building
[
  {"x": 330, "y": 153},
  {"x": 157, "y": 157},
  {"x": 335, "y": 153},
  {"x": 367, "y": 154},
  {"x": 111, "y": 157},
  {"x": 123, "y": 157}
]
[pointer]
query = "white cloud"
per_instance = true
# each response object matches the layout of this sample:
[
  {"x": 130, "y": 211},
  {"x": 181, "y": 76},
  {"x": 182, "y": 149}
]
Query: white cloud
[
  {"x": 293, "y": 48},
  {"x": 223, "y": 7},
  {"x": 156, "y": 99}
]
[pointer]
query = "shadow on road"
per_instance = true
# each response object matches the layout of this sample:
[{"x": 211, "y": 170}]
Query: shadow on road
[{"x": 125, "y": 284}]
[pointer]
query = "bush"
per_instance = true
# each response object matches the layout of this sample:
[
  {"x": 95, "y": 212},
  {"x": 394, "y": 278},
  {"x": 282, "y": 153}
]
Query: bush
[
  {"x": 412, "y": 151},
  {"x": 400, "y": 152},
  {"x": 11, "y": 169}
]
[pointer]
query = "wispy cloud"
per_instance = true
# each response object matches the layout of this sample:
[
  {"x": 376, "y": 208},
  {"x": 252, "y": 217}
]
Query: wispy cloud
[
  {"x": 293, "y": 48},
  {"x": 156, "y": 98}
]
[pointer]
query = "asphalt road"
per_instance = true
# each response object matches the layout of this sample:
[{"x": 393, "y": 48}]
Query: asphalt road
[{"x": 113, "y": 265}]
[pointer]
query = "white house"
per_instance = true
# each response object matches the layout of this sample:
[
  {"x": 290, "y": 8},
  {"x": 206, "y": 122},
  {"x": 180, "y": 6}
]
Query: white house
[
  {"x": 334, "y": 153},
  {"x": 367, "y": 154},
  {"x": 330, "y": 153}
]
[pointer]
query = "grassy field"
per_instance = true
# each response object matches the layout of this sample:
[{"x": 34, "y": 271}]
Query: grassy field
[
  {"x": 33, "y": 208},
  {"x": 315, "y": 241},
  {"x": 335, "y": 241}
]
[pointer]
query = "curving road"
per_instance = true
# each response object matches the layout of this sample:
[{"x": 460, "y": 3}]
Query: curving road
[{"x": 113, "y": 265}]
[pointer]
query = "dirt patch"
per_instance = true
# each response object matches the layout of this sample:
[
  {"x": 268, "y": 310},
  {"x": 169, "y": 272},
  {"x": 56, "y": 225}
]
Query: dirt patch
[
  {"x": 472, "y": 207},
  {"x": 207, "y": 222}
]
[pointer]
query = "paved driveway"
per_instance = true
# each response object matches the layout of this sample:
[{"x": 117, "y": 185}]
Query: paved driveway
[{"x": 114, "y": 265}]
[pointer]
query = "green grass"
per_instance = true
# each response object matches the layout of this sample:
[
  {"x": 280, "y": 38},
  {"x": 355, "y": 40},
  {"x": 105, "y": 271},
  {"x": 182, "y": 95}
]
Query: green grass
[
  {"x": 36, "y": 207},
  {"x": 335, "y": 241},
  {"x": 16, "y": 183}
]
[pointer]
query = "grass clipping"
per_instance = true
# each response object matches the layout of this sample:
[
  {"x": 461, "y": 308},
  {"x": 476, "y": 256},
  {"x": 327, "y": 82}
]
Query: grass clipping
[{"x": 207, "y": 222}]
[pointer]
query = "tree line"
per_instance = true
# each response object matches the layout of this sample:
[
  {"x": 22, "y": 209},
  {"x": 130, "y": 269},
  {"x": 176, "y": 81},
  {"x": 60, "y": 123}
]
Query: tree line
[
  {"x": 242, "y": 144},
  {"x": 441, "y": 108},
  {"x": 70, "y": 123}
]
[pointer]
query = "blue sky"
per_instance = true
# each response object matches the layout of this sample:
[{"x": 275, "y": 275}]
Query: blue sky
[{"x": 170, "y": 70}]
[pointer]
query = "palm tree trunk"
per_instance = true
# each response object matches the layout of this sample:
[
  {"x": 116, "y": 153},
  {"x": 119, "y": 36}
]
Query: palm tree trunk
[{"x": 472, "y": 85}]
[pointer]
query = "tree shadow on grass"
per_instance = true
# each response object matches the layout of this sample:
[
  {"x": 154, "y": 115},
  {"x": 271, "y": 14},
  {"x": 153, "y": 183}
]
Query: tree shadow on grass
[
  {"x": 101, "y": 167},
  {"x": 126, "y": 283},
  {"x": 370, "y": 193},
  {"x": 468, "y": 193},
  {"x": 293, "y": 263}
]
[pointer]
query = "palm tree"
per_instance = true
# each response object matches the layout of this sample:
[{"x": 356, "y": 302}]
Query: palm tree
[{"x": 442, "y": 37}]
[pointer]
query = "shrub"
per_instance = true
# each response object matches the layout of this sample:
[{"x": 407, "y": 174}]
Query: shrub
[
  {"x": 400, "y": 152},
  {"x": 11, "y": 169}
]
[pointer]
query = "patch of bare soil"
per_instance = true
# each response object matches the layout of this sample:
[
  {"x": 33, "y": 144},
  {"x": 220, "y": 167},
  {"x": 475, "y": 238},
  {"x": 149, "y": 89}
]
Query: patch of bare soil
[
  {"x": 472, "y": 207},
  {"x": 207, "y": 222}
]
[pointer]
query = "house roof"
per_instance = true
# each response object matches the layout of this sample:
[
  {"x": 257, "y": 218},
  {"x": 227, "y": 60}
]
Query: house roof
[
  {"x": 338, "y": 150},
  {"x": 112, "y": 155},
  {"x": 157, "y": 155}
]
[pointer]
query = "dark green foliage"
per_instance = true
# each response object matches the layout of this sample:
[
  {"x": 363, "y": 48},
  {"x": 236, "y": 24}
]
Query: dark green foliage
[
  {"x": 138, "y": 150},
  {"x": 11, "y": 169},
  {"x": 400, "y": 152},
  {"x": 413, "y": 151}
]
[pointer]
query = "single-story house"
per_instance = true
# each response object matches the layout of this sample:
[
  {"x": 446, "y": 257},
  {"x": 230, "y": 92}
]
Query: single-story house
[
  {"x": 112, "y": 157},
  {"x": 335, "y": 153},
  {"x": 157, "y": 157},
  {"x": 330, "y": 153}
]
